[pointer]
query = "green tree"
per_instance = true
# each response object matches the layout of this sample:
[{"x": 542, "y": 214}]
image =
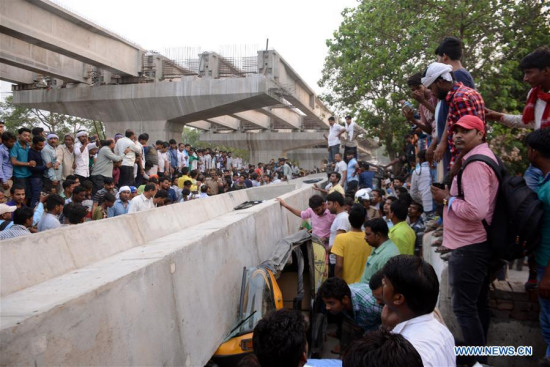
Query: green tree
[
  {"x": 190, "y": 136},
  {"x": 17, "y": 116},
  {"x": 380, "y": 43}
]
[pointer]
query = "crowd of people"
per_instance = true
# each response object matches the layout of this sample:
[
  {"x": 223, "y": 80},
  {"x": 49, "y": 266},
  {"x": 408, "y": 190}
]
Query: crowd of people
[
  {"x": 372, "y": 226},
  {"x": 46, "y": 184}
]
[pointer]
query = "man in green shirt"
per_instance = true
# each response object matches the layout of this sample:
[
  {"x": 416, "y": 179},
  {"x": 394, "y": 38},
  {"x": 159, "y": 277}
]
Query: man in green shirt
[
  {"x": 376, "y": 235},
  {"x": 401, "y": 233}
]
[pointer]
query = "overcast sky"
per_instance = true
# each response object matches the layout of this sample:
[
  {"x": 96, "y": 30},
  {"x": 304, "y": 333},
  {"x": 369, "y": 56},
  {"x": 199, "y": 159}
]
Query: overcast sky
[{"x": 298, "y": 29}]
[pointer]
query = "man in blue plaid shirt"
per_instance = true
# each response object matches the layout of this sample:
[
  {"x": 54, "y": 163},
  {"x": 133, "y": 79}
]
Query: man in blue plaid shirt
[{"x": 356, "y": 303}]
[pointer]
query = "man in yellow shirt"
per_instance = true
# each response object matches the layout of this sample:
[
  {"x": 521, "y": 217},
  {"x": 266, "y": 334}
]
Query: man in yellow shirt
[
  {"x": 401, "y": 233},
  {"x": 351, "y": 249},
  {"x": 185, "y": 177}
]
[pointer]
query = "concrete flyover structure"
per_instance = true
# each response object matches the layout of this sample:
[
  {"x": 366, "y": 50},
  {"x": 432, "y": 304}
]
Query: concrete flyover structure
[
  {"x": 159, "y": 287},
  {"x": 64, "y": 63}
]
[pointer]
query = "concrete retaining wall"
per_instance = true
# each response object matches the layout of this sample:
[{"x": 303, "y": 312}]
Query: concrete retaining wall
[
  {"x": 502, "y": 332},
  {"x": 154, "y": 288}
]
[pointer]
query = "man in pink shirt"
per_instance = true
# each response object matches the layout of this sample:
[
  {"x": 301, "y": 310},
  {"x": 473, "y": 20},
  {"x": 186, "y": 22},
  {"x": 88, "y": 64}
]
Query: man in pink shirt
[
  {"x": 464, "y": 233},
  {"x": 321, "y": 218}
]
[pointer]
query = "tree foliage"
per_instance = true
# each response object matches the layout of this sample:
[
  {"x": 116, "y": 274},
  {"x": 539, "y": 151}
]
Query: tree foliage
[
  {"x": 190, "y": 136},
  {"x": 17, "y": 116},
  {"x": 380, "y": 43}
]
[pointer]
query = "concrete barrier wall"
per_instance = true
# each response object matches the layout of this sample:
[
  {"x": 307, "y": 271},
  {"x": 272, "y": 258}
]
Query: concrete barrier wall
[
  {"x": 507, "y": 332},
  {"x": 162, "y": 291}
]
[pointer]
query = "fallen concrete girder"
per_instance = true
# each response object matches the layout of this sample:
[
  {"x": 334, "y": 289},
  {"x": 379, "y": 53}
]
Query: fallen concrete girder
[{"x": 159, "y": 287}]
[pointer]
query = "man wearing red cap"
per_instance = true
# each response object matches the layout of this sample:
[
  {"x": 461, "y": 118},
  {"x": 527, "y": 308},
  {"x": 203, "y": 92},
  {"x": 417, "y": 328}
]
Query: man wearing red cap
[{"x": 465, "y": 234}]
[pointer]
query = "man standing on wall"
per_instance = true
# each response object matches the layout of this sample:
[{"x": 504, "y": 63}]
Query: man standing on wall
[
  {"x": 352, "y": 131},
  {"x": 333, "y": 138}
]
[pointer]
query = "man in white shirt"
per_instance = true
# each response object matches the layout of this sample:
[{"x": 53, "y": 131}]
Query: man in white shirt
[
  {"x": 164, "y": 165},
  {"x": 410, "y": 289},
  {"x": 342, "y": 168},
  {"x": 145, "y": 200},
  {"x": 351, "y": 139},
  {"x": 127, "y": 167},
  {"x": 333, "y": 138},
  {"x": 207, "y": 160},
  {"x": 82, "y": 156},
  {"x": 335, "y": 204}
]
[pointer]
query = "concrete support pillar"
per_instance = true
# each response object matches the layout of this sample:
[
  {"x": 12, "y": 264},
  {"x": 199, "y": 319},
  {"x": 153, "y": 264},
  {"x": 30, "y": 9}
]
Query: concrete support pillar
[
  {"x": 209, "y": 65},
  {"x": 157, "y": 130}
]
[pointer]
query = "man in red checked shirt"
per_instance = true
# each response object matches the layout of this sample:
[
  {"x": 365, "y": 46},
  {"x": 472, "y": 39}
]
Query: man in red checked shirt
[{"x": 461, "y": 100}]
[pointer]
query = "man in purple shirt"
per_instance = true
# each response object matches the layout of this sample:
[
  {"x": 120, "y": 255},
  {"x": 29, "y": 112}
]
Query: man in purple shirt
[
  {"x": 464, "y": 233},
  {"x": 6, "y": 172}
]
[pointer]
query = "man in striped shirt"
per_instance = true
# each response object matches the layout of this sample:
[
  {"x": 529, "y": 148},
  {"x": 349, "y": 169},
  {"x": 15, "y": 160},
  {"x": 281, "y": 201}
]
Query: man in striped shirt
[{"x": 22, "y": 221}]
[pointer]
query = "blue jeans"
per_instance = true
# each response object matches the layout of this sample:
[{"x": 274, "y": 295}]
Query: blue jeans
[
  {"x": 469, "y": 281},
  {"x": 332, "y": 150},
  {"x": 544, "y": 313},
  {"x": 532, "y": 177},
  {"x": 36, "y": 187}
]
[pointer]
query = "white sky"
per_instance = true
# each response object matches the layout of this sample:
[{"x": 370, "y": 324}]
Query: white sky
[{"x": 297, "y": 29}]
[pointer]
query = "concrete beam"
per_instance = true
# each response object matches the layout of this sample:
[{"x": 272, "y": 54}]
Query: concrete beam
[
  {"x": 33, "y": 58},
  {"x": 48, "y": 25},
  {"x": 256, "y": 118},
  {"x": 16, "y": 75},
  {"x": 226, "y": 121},
  {"x": 201, "y": 125},
  {"x": 286, "y": 116},
  {"x": 191, "y": 99},
  {"x": 74, "y": 304}
]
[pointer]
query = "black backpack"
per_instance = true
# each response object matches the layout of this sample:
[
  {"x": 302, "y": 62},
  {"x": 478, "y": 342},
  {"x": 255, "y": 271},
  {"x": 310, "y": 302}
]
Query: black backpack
[
  {"x": 515, "y": 230},
  {"x": 4, "y": 224}
]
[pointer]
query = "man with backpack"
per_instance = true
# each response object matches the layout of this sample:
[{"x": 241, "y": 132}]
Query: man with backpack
[
  {"x": 538, "y": 144},
  {"x": 465, "y": 234}
]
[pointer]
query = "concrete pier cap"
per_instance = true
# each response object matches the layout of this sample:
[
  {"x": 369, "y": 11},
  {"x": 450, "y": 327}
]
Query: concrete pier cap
[{"x": 159, "y": 287}]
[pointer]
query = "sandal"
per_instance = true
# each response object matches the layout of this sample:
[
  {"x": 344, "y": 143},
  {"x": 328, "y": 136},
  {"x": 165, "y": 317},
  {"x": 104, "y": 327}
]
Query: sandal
[{"x": 442, "y": 250}]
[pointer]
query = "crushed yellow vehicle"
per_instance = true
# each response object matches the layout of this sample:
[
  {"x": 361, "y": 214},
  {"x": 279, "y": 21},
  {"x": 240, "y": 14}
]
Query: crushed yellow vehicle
[{"x": 290, "y": 278}]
